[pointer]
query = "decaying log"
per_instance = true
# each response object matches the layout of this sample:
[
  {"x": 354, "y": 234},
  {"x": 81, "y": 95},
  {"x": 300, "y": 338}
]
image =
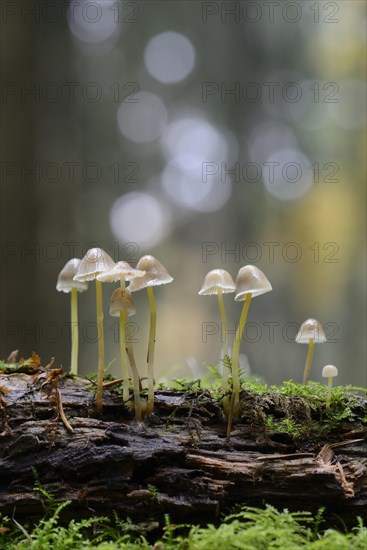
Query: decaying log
[{"x": 178, "y": 461}]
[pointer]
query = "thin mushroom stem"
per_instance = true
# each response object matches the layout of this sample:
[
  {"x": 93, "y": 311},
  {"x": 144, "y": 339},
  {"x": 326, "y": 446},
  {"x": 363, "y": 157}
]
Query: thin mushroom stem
[
  {"x": 136, "y": 380},
  {"x": 125, "y": 370},
  {"x": 150, "y": 357},
  {"x": 74, "y": 331},
  {"x": 306, "y": 374},
  {"x": 236, "y": 352},
  {"x": 101, "y": 358},
  {"x": 329, "y": 388},
  {"x": 225, "y": 343}
]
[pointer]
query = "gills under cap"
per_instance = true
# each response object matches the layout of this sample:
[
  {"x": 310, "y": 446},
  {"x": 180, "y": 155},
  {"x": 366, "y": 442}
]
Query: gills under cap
[
  {"x": 155, "y": 274},
  {"x": 95, "y": 261},
  {"x": 216, "y": 280},
  {"x": 120, "y": 269},
  {"x": 252, "y": 280}
]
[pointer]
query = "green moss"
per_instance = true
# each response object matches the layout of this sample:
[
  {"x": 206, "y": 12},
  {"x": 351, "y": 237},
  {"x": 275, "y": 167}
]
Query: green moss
[{"x": 248, "y": 529}]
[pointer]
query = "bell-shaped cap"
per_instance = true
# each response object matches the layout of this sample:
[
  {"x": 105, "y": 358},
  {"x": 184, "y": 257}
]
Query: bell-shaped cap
[
  {"x": 311, "y": 328},
  {"x": 155, "y": 274},
  {"x": 65, "y": 280},
  {"x": 122, "y": 300},
  {"x": 252, "y": 280},
  {"x": 120, "y": 269},
  {"x": 329, "y": 371},
  {"x": 95, "y": 261},
  {"x": 216, "y": 280}
]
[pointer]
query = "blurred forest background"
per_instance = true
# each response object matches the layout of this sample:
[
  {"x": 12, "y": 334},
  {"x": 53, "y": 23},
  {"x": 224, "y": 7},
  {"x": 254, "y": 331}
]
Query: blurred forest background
[{"x": 209, "y": 134}]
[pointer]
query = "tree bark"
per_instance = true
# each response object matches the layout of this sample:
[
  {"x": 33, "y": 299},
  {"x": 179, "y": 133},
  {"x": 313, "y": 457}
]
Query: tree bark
[{"x": 178, "y": 461}]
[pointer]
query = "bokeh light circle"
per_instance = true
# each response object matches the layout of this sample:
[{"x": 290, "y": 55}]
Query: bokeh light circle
[
  {"x": 189, "y": 142},
  {"x": 194, "y": 192},
  {"x": 142, "y": 118},
  {"x": 139, "y": 218},
  {"x": 169, "y": 57},
  {"x": 92, "y": 22},
  {"x": 287, "y": 174}
]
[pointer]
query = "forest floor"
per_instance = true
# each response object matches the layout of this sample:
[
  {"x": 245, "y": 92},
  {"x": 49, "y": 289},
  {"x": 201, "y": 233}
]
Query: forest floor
[{"x": 76, "y": 478}]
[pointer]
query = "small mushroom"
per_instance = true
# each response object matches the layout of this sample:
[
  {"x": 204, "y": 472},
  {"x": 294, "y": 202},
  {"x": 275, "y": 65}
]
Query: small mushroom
[
  {"x": 121, "y": 271},
  {"x": 122, "y": 302},
  {"x": 65, "y": 283},
  {"x": 250, "y": 282},
  {"x": 329, "y": 372},
  {"x": 219, "y": 282},
  {"x": 311, "y": 332},
  {"x": 96, "y": 261},
  {"x": 156, "y": 274}
]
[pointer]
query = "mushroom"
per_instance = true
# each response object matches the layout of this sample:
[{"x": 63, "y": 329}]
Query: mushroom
[
  {"x": 156, "y": 274},
  {"x": 65, "y": 283},
  {"x": 329, "y": 372},
  {"x": 250, "y": 282},
  {"x": 121, "y": 271},
  {"x": 219, "y": 282},
  {"x": 311, "y": 332},
  {"x": 96, "y": 261},
  {"x": 122, "y": 303}
]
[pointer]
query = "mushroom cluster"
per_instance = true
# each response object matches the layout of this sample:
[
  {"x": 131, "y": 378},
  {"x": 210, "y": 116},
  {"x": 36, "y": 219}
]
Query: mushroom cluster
[
  {"x": 250, "y": 282},
  {"x": 99, "y": 266}
]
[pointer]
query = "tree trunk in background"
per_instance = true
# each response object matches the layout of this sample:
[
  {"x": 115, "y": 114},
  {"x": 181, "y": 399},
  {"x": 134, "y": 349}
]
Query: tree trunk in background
[
  {"x": 18, "y": 224},
  {"x": 177, "y": 462}
]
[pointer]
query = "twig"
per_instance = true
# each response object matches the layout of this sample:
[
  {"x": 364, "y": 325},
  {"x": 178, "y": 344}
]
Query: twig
[
  {"x": 279, "y": 457},
  {"x": 61, "y": 411}
]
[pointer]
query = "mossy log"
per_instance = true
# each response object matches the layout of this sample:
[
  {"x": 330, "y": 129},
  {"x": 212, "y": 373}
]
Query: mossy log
[{"x": 177, "y": 461}]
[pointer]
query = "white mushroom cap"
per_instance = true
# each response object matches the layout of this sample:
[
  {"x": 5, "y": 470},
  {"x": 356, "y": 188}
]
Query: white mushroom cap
[
  {"x": 155, "y": 274},
  {"x": 119, "y": 269},
  {"x": 65, "y": 282},
  {"x": 95, "y": 261},
  {"x": 329, "y": 371},
  {"x": 311, "y": 328},
  {"x": 215, "y": 280},
  {"x": 252, "y": 280},
  {"x": 122, "y": 300}
]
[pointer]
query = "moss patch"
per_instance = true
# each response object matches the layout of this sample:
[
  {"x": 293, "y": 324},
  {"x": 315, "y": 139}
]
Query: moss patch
[{"x": 249, "y": 528}]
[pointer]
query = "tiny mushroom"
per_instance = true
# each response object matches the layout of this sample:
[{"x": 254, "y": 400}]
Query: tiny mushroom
[
  {"x": 96, "y": 261},
  {"x": 219, "y": 282},
  {"x": 65, "y": 283},
  {"x": 250, "y": 282},
  {"x": 311, "y": 332},
  {"x": 156, "y": 274},
  {"x": 121, "y": 271},
  {"x": 329, "y": 372},
  {"x": 122, "y": 301}
]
